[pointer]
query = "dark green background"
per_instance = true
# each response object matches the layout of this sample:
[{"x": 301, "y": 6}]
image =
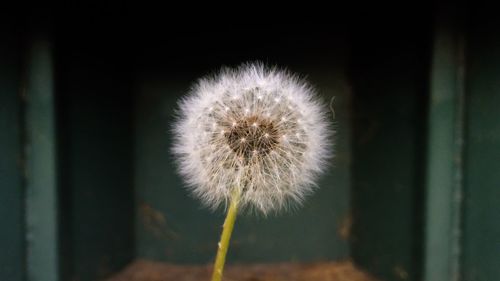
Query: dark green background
[
  {"x": 189, "y": 232},
  {"x": 12, "y": 241}
]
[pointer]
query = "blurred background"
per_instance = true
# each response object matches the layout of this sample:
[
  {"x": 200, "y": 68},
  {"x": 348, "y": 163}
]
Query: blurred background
[{"x": 87, "y": 97}]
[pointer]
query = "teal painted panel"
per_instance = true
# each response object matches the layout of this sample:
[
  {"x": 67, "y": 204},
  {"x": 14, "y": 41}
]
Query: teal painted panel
[
  {"x": 40, "y": 154},
  {"x": 444, "y": 171},
  {"x": 12, "y": 245},
  {"x": 389, "y": 81},
  {"x": 481, "y": 234},
  {"x": 172, "y": 226}
]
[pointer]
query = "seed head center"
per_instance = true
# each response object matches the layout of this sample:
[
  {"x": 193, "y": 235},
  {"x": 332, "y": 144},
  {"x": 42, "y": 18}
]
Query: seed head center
[{"x": 252, "y": 136}]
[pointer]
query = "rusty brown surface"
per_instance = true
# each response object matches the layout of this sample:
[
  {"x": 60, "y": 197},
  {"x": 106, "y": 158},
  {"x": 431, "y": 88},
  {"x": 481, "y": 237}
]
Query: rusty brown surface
[{"x": 142, "y": 270}]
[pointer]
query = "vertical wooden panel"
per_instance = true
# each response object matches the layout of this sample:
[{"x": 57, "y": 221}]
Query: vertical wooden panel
[
  {"x": 444, "y": 172},
  {"x": 40, "y": 154}
]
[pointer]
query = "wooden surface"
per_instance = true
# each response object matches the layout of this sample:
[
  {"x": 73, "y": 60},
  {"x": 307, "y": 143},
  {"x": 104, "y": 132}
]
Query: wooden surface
[{"x": 142, "y": 270}]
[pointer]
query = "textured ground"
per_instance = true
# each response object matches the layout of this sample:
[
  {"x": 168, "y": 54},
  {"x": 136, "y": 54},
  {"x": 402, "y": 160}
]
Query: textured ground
[{"x": 142, "y": 270}]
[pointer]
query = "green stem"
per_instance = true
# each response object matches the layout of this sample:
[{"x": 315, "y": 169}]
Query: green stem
[{"x": 226, "y": 236}]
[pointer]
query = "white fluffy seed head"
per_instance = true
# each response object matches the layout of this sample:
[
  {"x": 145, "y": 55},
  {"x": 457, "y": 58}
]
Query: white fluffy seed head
[{"x": 260, "y": 130}]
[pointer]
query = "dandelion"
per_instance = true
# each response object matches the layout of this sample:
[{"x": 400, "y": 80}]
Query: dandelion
[{"x": 251, "y": 138}]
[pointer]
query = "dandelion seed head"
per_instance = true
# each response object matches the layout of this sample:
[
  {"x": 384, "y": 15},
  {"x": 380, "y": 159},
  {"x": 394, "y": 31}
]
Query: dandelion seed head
[{"x": 271, "y": 142}]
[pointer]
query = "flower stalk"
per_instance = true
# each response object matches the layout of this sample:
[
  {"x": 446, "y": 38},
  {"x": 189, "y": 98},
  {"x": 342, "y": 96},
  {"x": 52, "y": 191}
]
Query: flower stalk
[{"x": 226, "y": 236}]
